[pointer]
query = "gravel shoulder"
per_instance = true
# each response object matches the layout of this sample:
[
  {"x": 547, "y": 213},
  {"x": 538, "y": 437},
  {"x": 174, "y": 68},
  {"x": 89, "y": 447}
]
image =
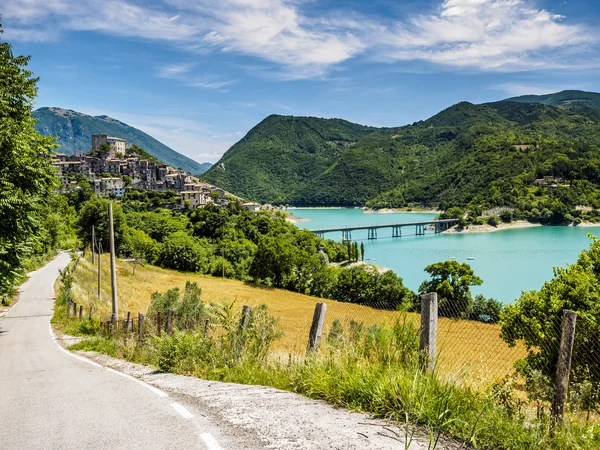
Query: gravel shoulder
[{"x": 281, "y": 420}]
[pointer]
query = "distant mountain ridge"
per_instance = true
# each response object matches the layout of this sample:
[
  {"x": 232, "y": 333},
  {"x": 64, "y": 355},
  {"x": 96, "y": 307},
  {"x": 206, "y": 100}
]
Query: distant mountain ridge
[
  {"x": 74, "y": 131},
  {"x": 563, "y": 98},
  {"x": 484, "y": 153}
]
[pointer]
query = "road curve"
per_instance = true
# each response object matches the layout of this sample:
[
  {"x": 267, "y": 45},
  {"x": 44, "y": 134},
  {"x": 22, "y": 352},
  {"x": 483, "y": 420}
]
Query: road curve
[{"x": 51, "y": 399}]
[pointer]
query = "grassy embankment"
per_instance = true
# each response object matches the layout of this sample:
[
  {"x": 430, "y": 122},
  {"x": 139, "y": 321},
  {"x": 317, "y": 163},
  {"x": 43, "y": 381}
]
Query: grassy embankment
[
  {"x": 474, "y": 347},
  {"x": 367, "y": 369}
]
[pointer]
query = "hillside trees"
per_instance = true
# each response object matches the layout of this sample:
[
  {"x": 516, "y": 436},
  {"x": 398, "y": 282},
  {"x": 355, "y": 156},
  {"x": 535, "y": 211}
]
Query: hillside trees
[
  {"x": 452, "y": 281},
  {"x": 535, "y": 319},
  {"x": 26, "y": 178}
]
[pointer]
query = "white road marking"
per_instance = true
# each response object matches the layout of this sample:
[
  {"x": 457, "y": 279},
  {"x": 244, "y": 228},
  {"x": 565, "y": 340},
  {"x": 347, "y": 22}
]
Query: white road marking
[
  {"x": 85, "y": 360},
  {"x": 210, "y": 441},
  {"x": 146, "y": 385},
  {"x": 181, "y": 410}
]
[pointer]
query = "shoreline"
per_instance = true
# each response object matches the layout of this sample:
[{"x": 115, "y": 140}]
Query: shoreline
[
  {"x": 401, "y": 210},
  {"x": 472, "y": 229},
  {"x": 491, "y": 229},
  {"x": 367, "y": 265}
]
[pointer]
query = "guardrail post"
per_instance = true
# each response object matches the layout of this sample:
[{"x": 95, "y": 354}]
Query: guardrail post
[
  {"x": 316, "y": 328},
  {"x": 563, "y": 365},
  {"x": 429, "y": 323}
]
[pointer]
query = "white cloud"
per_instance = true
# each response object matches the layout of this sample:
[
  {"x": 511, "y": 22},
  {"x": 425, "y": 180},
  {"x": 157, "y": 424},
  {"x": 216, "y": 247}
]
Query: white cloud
[
  {"x": 485, "y": 34},
  {"x": 517, "y": 89},
  {"x": 181, "y": 72},
  {"x": 173, "y": 70},
  {"x": 294, "y": 43}
]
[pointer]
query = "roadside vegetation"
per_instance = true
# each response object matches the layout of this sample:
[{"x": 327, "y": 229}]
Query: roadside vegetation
[
  {"x": 34, "y": 220},
  {"x": 368, "y": 359}
]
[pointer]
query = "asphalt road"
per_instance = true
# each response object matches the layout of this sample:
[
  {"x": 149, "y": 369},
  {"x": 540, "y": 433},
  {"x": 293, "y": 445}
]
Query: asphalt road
[{"x": 52, "y": 399}]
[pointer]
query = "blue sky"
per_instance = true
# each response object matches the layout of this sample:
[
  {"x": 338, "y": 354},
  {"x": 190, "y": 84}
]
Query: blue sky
[{"x": 198, "y": 74}]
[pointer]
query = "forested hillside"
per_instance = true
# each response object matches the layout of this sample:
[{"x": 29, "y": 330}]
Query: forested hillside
[
  {"x": 487, "y": 155},
  {"x": 563, "y": 98},
  {"x": 74, "y": 131}
]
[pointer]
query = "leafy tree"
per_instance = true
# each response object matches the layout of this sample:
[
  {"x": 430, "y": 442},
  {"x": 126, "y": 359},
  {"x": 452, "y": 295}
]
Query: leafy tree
[
  {"x": 536, "y": 317},
  {"x": 26, "y": 178},
  {"x": 95, "y": 212},
  {"x": 452, "y": 281},
  {"x": 180, "y": 251},
  {"x": 274, "y": 260},
  {"x": 485, "y": 309},
  {"x": 139, "y": 245}
]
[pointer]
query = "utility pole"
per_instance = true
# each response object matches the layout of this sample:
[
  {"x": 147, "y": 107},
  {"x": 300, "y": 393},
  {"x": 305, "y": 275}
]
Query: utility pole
[
  {"x": 99, "y": 275},
  {"x": 93, "y": 243},
  {"x": 113, "y": 267}
]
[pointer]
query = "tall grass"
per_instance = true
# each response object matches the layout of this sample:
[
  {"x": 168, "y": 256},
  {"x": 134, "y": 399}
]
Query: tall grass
[{"x": 462, "y": 344}]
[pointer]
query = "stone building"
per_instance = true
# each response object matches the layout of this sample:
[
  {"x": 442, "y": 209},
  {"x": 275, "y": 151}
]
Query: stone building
[{"x": 115, "y": 144}]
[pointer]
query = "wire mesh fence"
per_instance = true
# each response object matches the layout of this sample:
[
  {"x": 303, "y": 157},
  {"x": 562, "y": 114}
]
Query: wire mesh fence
[{"x": 520, "y": 356}]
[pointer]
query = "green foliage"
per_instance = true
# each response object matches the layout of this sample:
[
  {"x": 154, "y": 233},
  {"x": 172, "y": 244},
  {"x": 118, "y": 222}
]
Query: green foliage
[
  {"x": 137, "y": 244},
  {"x": 452, "y": 281},
  {"x": 464, "y": 157},
  {"x": 367, "y": 286},
  {"x": 189, "y": 311},
  {"x": 26, "y": 178},
  {"x": 94, "y": 212},
  {"x": 536, "y": 318},
  {"x": 181, "y": 251}
]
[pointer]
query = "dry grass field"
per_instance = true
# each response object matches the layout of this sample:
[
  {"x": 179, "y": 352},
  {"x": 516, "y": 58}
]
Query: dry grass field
[{"x": 464, "y": 346}]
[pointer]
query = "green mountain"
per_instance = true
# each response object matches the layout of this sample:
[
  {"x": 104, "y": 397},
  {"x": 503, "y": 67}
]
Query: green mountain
[
  {"x": 74, "y": 131},
  {"x": 564, "y": 98},
  {"x": 487, "y": 155}
]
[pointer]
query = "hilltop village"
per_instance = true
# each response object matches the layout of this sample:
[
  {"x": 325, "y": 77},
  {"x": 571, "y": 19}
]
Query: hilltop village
[{"x": 113, "y": 166}]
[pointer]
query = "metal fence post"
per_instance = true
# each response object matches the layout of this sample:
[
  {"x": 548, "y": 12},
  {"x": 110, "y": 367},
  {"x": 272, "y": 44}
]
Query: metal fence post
[
  {"x": 316, "y": 328},
  {"x": 563, "y": 365},
  {"x": 429, "y": 323}
]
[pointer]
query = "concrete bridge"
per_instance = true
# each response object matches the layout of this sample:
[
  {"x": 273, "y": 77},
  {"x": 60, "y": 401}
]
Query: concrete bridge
[{"x": 439, "y": 226}]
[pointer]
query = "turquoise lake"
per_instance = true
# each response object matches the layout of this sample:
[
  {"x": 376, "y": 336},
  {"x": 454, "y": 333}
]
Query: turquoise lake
[{"x": 508, "y": 261}]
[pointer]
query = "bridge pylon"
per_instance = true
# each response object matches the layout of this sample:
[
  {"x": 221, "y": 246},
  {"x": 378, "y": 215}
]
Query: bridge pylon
[{"x": 372, "y": 233}]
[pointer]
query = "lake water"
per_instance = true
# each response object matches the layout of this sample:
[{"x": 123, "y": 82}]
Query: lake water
[{"x": 508, "y": 261}]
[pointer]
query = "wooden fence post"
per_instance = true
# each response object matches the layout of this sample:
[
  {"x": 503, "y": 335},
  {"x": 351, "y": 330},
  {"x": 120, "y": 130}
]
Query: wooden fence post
[
  {"x": 316, "y": 328},
  {"x": 206, "y": 323},
  {"x": 429, "y": 324},
  {"x": 244, "y": 322},
  {"x": 169, "y": 325},
  {"x": 158, "y": 323},
  {"x": 246, "y": 312},
  {"x": 75, "y": 310},
  {"x": 563, "y": 365},
  {"x": 80, "y": 312},
  {"x": 127, "y": 327},
  {"x": 141, "y": 319},
  {"x": 91, "y": 312}
]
